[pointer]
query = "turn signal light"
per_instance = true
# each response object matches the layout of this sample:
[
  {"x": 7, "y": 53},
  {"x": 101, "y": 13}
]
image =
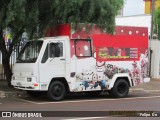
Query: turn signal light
[{"x": 35, "y": 85}]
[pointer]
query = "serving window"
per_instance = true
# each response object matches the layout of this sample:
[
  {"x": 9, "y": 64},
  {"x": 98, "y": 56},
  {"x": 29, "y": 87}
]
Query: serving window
[{"x": 83, "y": 48}]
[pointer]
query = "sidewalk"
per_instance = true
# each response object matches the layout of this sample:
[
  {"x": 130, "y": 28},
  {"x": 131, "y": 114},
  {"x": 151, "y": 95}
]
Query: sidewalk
[
  {"x": 152, "y": 87},
  {"x": 6, "y": 91}
]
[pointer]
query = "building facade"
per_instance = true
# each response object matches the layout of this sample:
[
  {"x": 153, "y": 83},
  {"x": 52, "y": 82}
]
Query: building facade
[{"x": 148, "y": 5}]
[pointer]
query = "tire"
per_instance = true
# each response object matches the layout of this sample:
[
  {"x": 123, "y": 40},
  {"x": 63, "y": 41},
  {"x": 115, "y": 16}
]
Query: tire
[
  {"x": 56, "y": 91},
  {"x": 120, "y": 89}
]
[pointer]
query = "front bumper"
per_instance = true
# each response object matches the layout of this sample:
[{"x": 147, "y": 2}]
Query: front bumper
[{"x": 22, "y": 83}]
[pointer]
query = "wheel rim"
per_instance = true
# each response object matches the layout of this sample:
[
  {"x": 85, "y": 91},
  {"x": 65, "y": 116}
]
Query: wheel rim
[
  {"x": 122, "y": 88},
  {"x": 57, "y": 90}
]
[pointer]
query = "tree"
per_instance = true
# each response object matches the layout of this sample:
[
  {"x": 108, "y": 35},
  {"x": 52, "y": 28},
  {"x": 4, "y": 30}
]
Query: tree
[
  {"x": 100, "y": 12},
  {"x": 16, "y": 15},
  {"x": 28, "y": 14},
  {"x": 157, "y": 23}
]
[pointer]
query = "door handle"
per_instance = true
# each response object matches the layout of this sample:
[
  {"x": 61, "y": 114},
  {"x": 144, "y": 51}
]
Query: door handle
[{"x": 62, "y": 59}]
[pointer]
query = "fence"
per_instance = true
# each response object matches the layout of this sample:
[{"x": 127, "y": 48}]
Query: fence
[{"x": 13, "y": 58}]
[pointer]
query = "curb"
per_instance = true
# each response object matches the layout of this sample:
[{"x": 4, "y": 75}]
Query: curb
[
  {"x": 136, "y": 89},
  {"x": 12, "y": 94},
  {"x": 143, "y": 90},
  {"x": 2, "y": 94},
  {"x": 152, "y": 91}
]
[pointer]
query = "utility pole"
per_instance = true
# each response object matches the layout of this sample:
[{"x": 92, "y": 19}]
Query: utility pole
[{"x": 151, "y": 34}]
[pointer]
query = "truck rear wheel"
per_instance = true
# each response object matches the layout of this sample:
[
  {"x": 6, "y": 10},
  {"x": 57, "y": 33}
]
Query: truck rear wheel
[
  {"x": 56, "y": 91},
  {"x": 120, "y": 89}
]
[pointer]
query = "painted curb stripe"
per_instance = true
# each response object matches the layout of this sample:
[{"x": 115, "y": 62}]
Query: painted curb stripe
[{"x": 95, "y": 100}]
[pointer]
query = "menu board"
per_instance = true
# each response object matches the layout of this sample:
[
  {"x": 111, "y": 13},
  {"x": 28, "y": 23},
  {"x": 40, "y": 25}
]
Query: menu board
[{"x": 111, "y": 53}]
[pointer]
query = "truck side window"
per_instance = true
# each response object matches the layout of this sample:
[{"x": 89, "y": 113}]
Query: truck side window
[
  {"x": 83, "y": 48},
  {"x": 45, "y": 56},
  {"x": 56, "y": 50},
  {"x": 53, "y": 50}
]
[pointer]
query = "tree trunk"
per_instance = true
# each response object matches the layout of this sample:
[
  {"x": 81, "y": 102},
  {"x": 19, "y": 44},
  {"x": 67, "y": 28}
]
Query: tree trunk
[
  {"x": 7, "y": 69},
  {"x": 5, "y": 59},
  {"x": 7, "y": 53}
]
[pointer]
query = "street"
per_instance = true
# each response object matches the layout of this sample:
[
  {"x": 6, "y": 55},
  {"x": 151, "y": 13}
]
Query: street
[{"x": 87, "y": 107}]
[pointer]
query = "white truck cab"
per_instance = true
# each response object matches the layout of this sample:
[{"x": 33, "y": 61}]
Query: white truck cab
[{"x": 59, "y": 65}]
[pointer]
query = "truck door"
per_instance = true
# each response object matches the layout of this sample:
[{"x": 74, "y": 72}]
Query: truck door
[{"x": 53, "y": 63}]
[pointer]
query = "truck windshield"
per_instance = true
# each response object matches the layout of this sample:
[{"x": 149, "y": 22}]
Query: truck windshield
[{"x": 30, "y": 52}]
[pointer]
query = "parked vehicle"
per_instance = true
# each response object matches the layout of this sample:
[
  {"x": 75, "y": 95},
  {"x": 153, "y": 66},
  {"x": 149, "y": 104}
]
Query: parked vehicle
[{"x": 59, "y": 65}]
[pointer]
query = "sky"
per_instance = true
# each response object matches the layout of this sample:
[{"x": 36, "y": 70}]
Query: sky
[{"x": 133, "y": 7}]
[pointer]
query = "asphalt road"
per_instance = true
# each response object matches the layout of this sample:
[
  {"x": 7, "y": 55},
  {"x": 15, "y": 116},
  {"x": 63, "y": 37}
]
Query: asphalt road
[{"x": 82, "y": 107}]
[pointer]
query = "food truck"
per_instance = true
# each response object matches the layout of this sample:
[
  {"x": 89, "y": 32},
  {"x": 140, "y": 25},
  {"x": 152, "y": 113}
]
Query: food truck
[{"x": 76, "y": 61}]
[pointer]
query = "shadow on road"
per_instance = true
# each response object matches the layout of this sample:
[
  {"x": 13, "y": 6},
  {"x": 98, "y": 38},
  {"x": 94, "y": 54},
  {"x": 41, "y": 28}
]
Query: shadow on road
[{"x": 80, "y": 96}]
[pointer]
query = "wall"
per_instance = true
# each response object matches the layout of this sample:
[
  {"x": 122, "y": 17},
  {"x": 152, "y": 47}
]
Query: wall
[
  {"x": 155, "y": 63},
  {"x": 136, "y": 21},
  {"x": 148, "y": 5}
]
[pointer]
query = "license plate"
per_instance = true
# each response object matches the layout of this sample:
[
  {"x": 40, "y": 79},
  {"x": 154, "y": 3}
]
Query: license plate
[{"x": 18, "y": 84}]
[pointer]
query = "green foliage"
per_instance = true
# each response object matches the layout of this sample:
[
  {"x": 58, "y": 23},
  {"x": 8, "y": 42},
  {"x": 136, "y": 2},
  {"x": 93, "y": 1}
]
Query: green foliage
[
  {"x": 19, "y": 14},
  {"x": 100, "y": 12},
  {"x": 157, "y": 23}
]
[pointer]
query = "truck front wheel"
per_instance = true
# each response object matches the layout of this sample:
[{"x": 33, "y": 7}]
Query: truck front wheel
[
  {"x": 56, "y": 91},
  {"x": 120, "y": 89}
]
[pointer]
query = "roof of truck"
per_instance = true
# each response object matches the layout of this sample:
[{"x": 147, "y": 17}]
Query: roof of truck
[
  {"x": 51, "y": 38},
  {"x": 55, "y": 38}
]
